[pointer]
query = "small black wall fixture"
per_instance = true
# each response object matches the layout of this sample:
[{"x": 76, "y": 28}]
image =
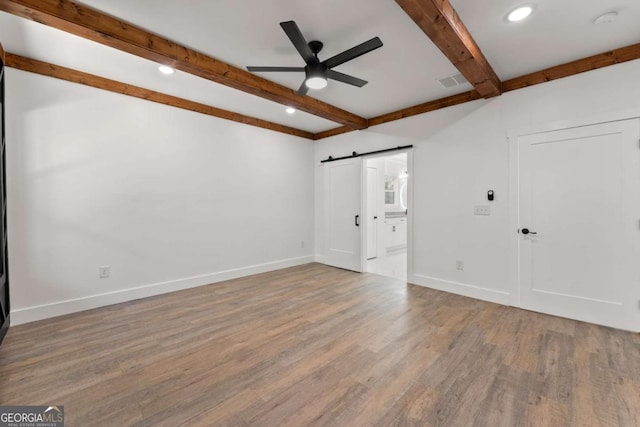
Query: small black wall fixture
[
  {"x": 490, "y": 195},
  {"x": 354, "y": 154}
]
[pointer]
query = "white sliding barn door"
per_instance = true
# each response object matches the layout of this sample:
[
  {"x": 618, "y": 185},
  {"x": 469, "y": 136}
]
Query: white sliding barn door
[
  {"x": 579, "y": 213},
  {"x": 342, "y": 217}
]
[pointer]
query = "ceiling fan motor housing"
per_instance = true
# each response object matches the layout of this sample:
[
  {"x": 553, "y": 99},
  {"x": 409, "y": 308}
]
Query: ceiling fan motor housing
[{"x": 316, "y": 70}]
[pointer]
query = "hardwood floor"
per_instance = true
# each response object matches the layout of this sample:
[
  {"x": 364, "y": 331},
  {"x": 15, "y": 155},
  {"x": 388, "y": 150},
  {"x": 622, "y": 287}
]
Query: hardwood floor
[{"x": 314, "y": 345}]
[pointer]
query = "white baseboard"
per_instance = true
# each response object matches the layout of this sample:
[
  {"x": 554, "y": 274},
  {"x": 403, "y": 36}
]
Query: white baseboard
[
  {"x": 31, "y": 314},
  {"x": 472, "y": 291}
]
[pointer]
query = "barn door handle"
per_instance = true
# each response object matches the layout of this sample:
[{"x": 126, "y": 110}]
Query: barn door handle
[
  {"x": 526, "y": 231},
  {"x": 357, "y": 220}
]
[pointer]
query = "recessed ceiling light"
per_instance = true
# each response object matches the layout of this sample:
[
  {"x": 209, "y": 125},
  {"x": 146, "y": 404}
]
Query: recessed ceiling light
[
  {"x": 606, "y": 18},
  {"x": 520, "y": 13},
  {"x": 290, "y": 110},
  {"x": 165, "y": 69}
]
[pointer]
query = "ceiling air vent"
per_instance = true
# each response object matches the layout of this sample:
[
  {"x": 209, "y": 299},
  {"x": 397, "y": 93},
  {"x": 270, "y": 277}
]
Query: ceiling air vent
[{"x": 452, "y": 81}]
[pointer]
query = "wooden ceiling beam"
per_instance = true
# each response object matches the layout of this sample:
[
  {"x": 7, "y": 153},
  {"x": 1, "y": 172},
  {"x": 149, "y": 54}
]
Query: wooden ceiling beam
[
  {"x": 440, "y": 22},
  {"x": 426, "y": 107},
  {"x": 94, "y": 25},
  {"x": 605, "y": 59},
  {"x": 433, "y": 16},
  {"x": 403, "y": 113},
  {"x": 601, "y": 60},
  {"x": 70, "y": 75},
  {"x": 332, "y": 132}
]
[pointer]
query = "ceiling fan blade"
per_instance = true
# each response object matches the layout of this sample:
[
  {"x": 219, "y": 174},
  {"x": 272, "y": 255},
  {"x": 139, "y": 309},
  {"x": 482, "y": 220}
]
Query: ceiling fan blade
[
  {"x": 296, "y": 37},
  {"x": 345, "y": 78},
  {"x": 303, "y": 89},
  {"x": 353, "y": 53},
  {"x": 265, "y": 69}
]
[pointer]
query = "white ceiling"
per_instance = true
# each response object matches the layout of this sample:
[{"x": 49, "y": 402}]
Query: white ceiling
[
  {"x": 559, "y": 31},
  {"x": 37, "y": 41},
  {"x": 402, "y": 73}
]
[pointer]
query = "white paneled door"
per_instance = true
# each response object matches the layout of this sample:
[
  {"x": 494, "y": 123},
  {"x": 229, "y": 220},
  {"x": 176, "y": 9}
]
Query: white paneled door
[
  {"x": 342, "y": 218},
  {"x": 579, "y": 213}
]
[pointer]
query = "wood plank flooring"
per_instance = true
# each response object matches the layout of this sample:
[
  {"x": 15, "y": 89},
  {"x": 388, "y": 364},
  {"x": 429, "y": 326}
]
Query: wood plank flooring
[{"x": 318, "y": 346}]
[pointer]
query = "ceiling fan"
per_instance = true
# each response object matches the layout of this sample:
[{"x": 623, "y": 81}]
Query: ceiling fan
[{"x": 318, "y": 72}]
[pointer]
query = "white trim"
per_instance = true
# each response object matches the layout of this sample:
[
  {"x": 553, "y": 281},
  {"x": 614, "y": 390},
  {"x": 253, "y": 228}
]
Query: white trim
[
  {"x": 410, "y": 183},
  {"x": 465, "y": 289},
  {"x": 31, "y": 314},
  {"x": 512, "y": 208},
  {"x": 410, "y": 207},
  {"x": 363, "y": 211},
  {"x": 364, "y": 229}
]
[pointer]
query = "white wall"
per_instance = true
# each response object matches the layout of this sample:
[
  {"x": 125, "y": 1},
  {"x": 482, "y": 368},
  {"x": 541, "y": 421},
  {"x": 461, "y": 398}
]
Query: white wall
[
  {"x": 171, "y": 199},
  {"x": 460, "y": 153},
  {"x": 168, "y": 198}
]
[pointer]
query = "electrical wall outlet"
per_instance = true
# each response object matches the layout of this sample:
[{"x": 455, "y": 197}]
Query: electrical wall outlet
[
  {"x": 459, "y": 265},
  {"x": 104, "y": 271},
  {"x": 482, "y": 210}
]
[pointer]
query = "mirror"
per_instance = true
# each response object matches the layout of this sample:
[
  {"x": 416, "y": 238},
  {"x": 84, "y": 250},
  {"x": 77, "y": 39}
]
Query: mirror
[{"x": 403, "y": 196}]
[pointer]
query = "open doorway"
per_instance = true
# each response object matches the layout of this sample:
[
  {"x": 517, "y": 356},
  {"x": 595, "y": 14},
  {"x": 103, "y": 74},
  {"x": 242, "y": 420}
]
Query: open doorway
[{"x": 385, "y": 205}]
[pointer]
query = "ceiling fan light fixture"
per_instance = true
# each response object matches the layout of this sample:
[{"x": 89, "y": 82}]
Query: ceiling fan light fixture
[
  {"x": 316, "y": 82},
  {"x": 316, "y": 74},
  {"x": 520, "y": 13}
]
